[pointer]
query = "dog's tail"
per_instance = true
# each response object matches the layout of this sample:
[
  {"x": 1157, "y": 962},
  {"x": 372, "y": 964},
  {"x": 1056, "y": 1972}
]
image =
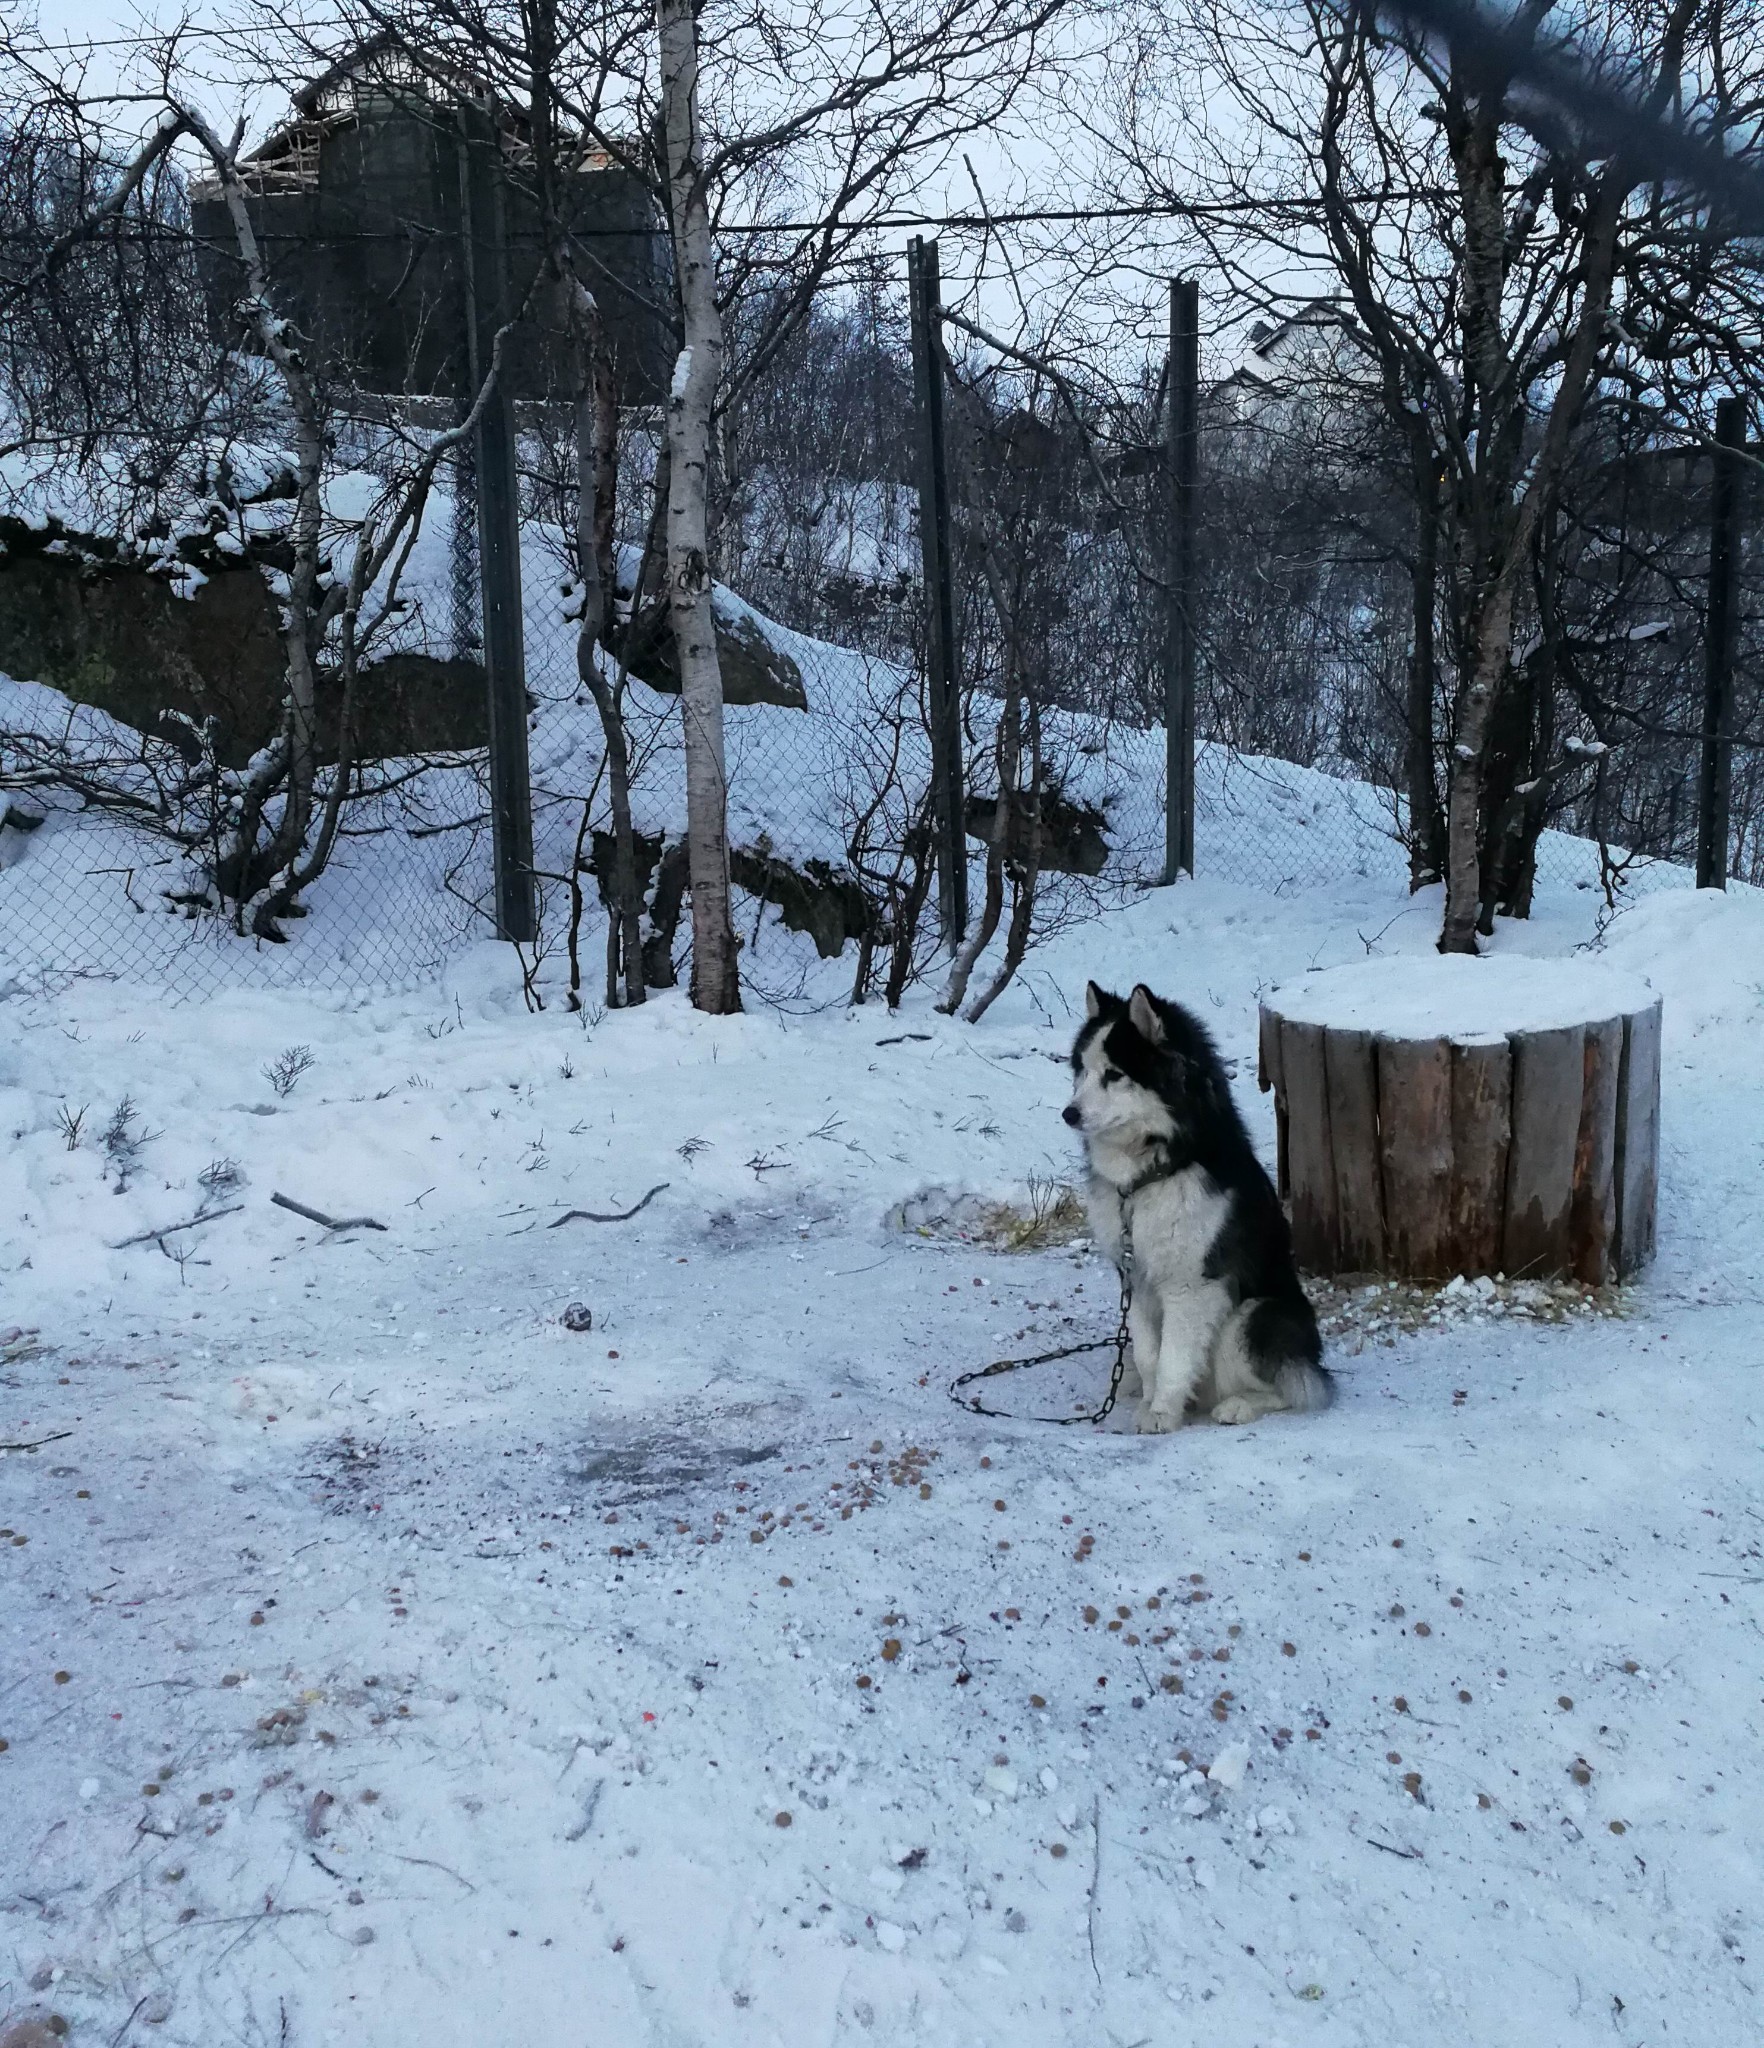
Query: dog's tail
[
  {"x": 1283, "y": 1338},
  {"x": 1305, "y": 1388}
]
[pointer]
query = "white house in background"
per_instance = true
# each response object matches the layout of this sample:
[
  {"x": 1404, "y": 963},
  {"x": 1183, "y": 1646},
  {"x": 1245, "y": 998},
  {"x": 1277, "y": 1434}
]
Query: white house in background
[{"x": 1297, "y": 375}]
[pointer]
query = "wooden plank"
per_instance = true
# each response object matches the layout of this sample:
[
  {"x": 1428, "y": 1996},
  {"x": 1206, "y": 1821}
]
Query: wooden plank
[
  {"x": 1315, "y": 1219},
  {"x": 1482, "y": 1128},
  {"x": 1268, "y": 1050},
  {"x": 1351, "y": 1076},
  {"x": 1637, "y": 1166},
  {"x": 1415, "y": 1154},
  {"x": 1592, "y": 1219},
  {"x": 1268, "y": 1075},
  {"x": 1548, "y": 1082}
]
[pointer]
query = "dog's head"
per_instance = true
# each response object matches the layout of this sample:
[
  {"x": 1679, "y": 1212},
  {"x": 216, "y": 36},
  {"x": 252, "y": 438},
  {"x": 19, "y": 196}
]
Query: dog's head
[{"x": 1128, "y": 1077}]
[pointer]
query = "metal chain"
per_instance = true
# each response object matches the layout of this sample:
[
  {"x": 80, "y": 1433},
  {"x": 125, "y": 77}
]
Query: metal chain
[{"x": 1122, "y": 1338}]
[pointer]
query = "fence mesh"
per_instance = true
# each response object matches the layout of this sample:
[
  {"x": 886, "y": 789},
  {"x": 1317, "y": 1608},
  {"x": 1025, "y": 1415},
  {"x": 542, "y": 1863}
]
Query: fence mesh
[{"x": 101, "y": 871}]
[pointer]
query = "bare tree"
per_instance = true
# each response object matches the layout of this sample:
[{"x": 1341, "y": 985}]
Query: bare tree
[{"x": 1504, "y": 271}]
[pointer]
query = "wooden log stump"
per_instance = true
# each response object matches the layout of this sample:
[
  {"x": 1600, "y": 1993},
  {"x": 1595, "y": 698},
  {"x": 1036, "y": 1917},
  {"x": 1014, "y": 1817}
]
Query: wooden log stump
[{"x": 1444, "y": 1115}]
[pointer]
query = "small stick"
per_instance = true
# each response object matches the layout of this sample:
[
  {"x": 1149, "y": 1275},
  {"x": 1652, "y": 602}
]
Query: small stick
[
  {"x": 60, "y": 1436},
  {"x": 153, "y": 1236},
  {"x": 1095, "y": 1882},
  {"x": 623, "y": 1216},
  {"x": 330, "y": 1222}
]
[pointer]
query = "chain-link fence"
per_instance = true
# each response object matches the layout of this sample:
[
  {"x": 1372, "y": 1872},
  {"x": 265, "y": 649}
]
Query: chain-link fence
[{"x": 107, "y": 857}]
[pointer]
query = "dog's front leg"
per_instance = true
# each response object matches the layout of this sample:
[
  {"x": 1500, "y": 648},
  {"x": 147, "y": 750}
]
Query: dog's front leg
[
  {"x": 1144, "y": 1327},
  {"x": 1191, "y": 1321}
]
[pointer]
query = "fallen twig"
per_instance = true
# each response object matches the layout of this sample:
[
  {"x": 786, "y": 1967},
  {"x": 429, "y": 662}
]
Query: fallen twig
[
  {"x": 907, "y": 1038},
  {"x": 1390, "y": 1849},
  {"x": 429, "y": 1863},
  {"x": 621, "y": 1216},
  {"x": 1095, "y": 1883},
  {"x": 154, "y": 1236},
  {"x": 59, "y": 1435},
  {"x": 329, "y": 1222}
]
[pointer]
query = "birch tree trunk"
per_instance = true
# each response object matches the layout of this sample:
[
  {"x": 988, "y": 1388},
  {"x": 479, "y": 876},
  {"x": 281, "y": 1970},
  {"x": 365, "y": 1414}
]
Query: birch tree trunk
[{"x": 716, "y": 984}]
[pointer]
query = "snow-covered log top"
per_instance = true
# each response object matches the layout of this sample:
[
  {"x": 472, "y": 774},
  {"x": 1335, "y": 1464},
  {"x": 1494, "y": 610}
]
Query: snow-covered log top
[{"x": 1466, "y": 1001}]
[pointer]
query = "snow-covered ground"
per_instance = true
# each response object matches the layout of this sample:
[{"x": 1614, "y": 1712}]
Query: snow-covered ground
[{"x": 383, "y": 1660}]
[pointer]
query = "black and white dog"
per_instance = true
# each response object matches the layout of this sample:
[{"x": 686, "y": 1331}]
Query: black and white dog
[{"x": 1180, "y": 1202}]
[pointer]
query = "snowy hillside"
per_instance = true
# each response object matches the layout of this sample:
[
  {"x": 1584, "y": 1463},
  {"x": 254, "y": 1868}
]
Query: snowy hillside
[{"x": 390, "y": 1659}]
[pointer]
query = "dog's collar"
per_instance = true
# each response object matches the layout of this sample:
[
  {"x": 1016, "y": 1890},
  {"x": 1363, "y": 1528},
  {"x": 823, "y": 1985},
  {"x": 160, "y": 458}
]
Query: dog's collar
[{"x": 1142, "y": 1181}]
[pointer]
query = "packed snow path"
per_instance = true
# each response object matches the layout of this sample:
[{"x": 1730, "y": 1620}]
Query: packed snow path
[{"x": 386, "y": 1661}]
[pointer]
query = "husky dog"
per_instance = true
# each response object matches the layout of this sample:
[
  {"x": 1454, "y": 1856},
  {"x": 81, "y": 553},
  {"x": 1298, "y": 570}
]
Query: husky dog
[{"x": 1180, "y": 1202}]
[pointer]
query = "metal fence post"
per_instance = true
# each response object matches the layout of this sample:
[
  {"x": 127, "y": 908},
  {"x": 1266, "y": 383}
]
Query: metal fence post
[
  {"x": 925, "y": 294},
  {"x": 1715, "y": 779},
  {"x": 1181, "y": 425},
  {"x": 484, "y": 249}
]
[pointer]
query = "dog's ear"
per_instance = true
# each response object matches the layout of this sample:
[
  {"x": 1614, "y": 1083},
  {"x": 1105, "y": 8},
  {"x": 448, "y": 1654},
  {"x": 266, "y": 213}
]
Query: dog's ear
[
  {"x": 1142, "y": 1014},
  {"x": 1094, "y": 1000}
]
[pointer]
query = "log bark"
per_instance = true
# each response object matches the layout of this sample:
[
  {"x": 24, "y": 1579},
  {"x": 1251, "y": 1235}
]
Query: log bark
[
  {"x": 1592, "y": 1218},
  {"x": 1531, "y": 1154},
  {"x": 1482, "y": 1130},
  {"x": 1351, "y": 1075},
  {"x": 716, "y": 984},
  {"x": 1315, "y": 1217},
  {"x": 1548, "y": 1077},
  {"x": 1636, "y": 1171},
  {"x": 1415, "y": 1153}
]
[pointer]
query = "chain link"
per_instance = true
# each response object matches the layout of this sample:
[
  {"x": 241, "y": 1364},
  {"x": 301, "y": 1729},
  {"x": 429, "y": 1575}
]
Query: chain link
[{"x": 1122, "y": 1339}]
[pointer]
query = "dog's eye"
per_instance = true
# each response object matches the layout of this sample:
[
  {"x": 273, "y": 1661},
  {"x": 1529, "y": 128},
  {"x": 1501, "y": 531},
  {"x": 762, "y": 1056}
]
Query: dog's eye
[{"x": 1111, "y": 1074}]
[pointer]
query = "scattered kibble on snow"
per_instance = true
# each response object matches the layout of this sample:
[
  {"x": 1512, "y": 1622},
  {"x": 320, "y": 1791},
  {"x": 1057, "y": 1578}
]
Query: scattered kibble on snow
[{"x": 782, "y": 1820}]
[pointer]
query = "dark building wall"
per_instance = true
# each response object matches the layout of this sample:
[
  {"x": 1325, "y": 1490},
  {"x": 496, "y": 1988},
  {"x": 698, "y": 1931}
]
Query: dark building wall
[{"x": 368, "y": 263}]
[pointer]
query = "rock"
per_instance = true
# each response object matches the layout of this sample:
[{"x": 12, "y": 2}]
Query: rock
[
  {"x": 755, "y": 669},
  {"x": 1071, "y": 838},
  {"x": 1228, "y": 1767},
  {"x": 34, "y": 2030},
  {"x": 578, "y": 1317}
]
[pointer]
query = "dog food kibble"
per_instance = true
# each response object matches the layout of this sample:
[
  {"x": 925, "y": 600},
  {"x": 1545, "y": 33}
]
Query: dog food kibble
[
  {"x": 1056, "y": 1849},
  {"x": 1036, "y": 1700},
  {"x": 781, "y": 1820},
  {"x": 1391, "y": 1757},
  {"x": 1289, "y": 1649},
  {"x": 1463, "y": 1696},
  {"x": 864, "y": 1681},
  {"x": 1422, "y": 1629},
  {"x": 891, "y": 1649},
  {"x": 998, "y": 1507},
  {"x": 1091, "y": 1614},
  {"x": 1565, "y": 1703}
]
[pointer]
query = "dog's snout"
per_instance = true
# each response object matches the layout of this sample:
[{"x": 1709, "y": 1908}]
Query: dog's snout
[{"x": 1072, "y": 1115}]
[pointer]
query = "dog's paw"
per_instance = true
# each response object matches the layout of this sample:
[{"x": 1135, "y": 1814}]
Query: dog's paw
[
  {"x": 1158, "y": 1421},
  {"x": 1239, "y": 1408}
]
